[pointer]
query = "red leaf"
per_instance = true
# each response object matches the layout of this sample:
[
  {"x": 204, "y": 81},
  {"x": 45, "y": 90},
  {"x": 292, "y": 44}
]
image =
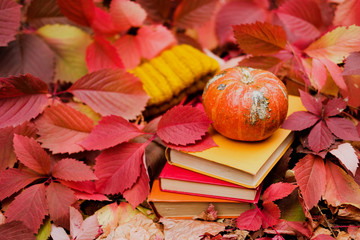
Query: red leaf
[
  {"x": 102, "y": 54},
  {"x": 335, "y": 72},
  {"x": 192, "y": 14},
  {"x": 16, "y": 230},
  {"x": 157, "y": 10},
  {"x": 340, "y": 187},
  {"x": 9, "y": 21},
  {"x": 21, "y": 99},
  {"x": 200, "y": 145},
  {"x": 30, "y": 153},
  {"x": 311, "y": 177},
  {"x": 12, "y": 180},
  {"x": 28, "y": 54},
  {"x": 249, "y": 220},
  {"x": 29, "y": 207},
  {"x": 59, "y": 198},
  {"x": 84, "y": 186},
  {"x": 111, "y": 92},
  {"x": 271, "y": 214},
  {"x": 342, "y": 128},
  {"x": 7, "y": 154},
  {"x": 114, "y": 163},
  {"x": 139, "y": 191},
  {"x": 126, "y": 14},
  {"x": 110, "y": 131},
  {"x": 320, "y": 137},
  {"x": 90, "y": 196},
  {"x": 102, "y": 23},
  {"x": 300, "y": 120},
  {"x": 347, "y": 156},
  {"x": 312, "y": 104},
  {"x": 183, "y": 125},
  {"x": 352, "y": 63},
  {"x": 347, "y": 13},
  {"x": 79, "y": 11},
  {"x": 278, "y": 191},
  {"x": 237, "y": 12},
  {"x": 334, "y": 107},
  {"x": 72, "y": 170},
  {"x": 319, "y": 73},
  {"x": 61, "y": 128},
  {"x": 260, "y": 38},
  {"x": 352, "y": 82},
  {"x": 128, "y": 48}
]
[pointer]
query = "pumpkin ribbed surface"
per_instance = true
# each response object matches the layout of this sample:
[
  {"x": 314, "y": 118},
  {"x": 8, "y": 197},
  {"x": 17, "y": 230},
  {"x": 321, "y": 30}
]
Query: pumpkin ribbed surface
[{"x": 245, "y": 104}]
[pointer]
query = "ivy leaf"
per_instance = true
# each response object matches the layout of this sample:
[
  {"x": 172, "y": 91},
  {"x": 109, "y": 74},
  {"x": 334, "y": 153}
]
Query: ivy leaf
[
  {"x": 336, "y": 45},
  {"x": 192, "y": 14},
  {"x": 300, "y": 120},
  {"x": 347, "y": 156},
  {"x": 29, "y": 207},
  {"x": 58, "y": 233},
  {"x": 110, "y": 131},
  {"x": 199, "y": 145},
  {"x": 28, "y": 54},
  {"x": 140, "y": 190},
  {"x": 126, "y": 14},
  {"x": 311, "y": 177},
  {"x": 346, "y": 13},
  {"x": 83, "y": 229},
  {"x": 59, "y": 198},
  {"x": 312, "y": 104},
  {"x": 125, "y": 159},
  {"x": 79, "y": 11},
  {"x": 334, "y": 107},
  {"x": 72, "y": 170},
  {"x": 84, "y": 186},
  {"x": 102, "y": 23},
  {"x": 268, "y": 63},
  {"x": 128, "y": 48},
  {"x": 111, "y": 92},
  {"x": 320, "y": 137},
  {"x": 249, "y": 220},
  {"x": 342, "y": 128},
  {"x": 272, "y": 214},
  {"x": 102, "y": 54},
  {"x": 62, "y": 127},
  {"x": 9, "y": 21},
  {"x": 182, "y": 125},
  {"x": 260, "y": 38},
  {"x": 319, "y": 73},
  {"x": 278, "y": 191},
  {"x": 352, "y": 82},
  {"x": 69, "y": 44},
  {"x": 335, "y": 72},
  {"x": 352, "y": 64},
  {"x": 340, "y": 187},
  {"x": 12, "y": 180},
  {"x": 16, "y": 230}
]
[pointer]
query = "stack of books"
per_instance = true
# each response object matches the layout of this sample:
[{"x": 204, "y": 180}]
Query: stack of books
[{"x": 228, "y": 176}]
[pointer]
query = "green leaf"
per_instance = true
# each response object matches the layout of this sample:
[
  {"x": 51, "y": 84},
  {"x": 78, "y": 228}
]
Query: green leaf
[{"x": 44, "y": 231}]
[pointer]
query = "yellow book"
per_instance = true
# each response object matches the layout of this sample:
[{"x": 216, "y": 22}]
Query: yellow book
[{"x": 238, "y": 162}]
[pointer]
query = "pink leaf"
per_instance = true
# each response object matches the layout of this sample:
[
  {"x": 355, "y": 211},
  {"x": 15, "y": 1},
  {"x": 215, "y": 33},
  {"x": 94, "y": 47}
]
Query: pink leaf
[
  {"x": 319, "y": 73},
  {"x": 192, "y": 14},
  {"x": 110, "y": 131},
  {"x": 102, "y": 54},
  {"x": 312, "y": 104},
  {"x": 154, "y": 39},
  {"x": 342, "y": 128},
  {"x": 21, "y": 99},
  {"x": 335, "y": 72},
  {"x": 9, "y": 21},
  {"x": 30, "y": 153},
  {"x": 59, "y": 198},
  {"x": 139, "y": 191},
  {"x": 115, "y": 163},
  {"x": 111, "y": 92},
  {"x": 28, "y": 54},
  {"x": 182, "y": 125},
  {"x": 320, "y": 137},
  {"x": 353, "y": 83},
  {"x": 29, "y": 207},
  {"x": 83, "y": 230},
  {"x": 72, "y": 170},
  {"x": 340, "y": 187},
  {"x": 90, "y": 196},
  {"x": 249, "y": 220},
  {"x": 61, "y": 127},
  {"x": 300, "y": 120},
  {"x": 128, "y": 48},
  {"x": 16, "y": 230},
  {"x": 347, "y": 13},
  {"x": 12, "y": 180},
  {"x": 311, "y": 177},
  {"x": 58, "y": 233},
  {"x": 102, "y": 23},
  {"x": 237, "y": 12},
  {"x": 126, "y": 14},
  {"x": 200, "y": 145},
  {"x": 352, "y": 63},
  {"x": 271, "y": 214},
  {"x": 78, "y": 11},
  {"x": 334, "y": 107},
  {"x": 278, "y": 191},
  {"x": 347, "y": 156}
]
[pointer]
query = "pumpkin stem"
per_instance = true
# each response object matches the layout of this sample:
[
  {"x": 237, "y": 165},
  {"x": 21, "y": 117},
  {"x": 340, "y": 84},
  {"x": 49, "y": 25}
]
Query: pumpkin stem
[{"x": 247, "y": 77}]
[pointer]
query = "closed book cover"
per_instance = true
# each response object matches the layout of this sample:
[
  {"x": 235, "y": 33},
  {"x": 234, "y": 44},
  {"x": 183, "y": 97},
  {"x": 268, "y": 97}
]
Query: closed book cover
[
  {"x": 184, "y": 206},
  {"x": 239, "y": 162},
  {"x": 180, "y": 180}
]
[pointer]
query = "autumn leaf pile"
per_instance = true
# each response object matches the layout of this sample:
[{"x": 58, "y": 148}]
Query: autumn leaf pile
[{"x": 72, "y": 132}]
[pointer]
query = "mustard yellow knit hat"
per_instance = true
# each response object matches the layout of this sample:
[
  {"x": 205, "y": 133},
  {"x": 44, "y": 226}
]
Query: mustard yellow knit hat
[{"x": 172, "y": 75}]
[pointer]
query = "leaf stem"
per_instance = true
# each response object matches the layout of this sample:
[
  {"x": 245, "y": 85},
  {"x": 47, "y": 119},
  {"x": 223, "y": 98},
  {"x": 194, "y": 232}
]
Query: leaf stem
[{"x": 326, "y": 221}]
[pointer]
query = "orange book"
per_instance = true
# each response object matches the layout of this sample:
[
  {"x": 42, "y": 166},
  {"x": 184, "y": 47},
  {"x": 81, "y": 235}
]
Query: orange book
[
  {"x": 183, "y": 206},
  {"x": 239, "y": 162}
]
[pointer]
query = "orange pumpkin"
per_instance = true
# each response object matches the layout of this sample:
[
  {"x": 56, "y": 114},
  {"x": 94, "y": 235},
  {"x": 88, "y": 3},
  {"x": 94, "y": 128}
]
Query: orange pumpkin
[{"x": 245, "y": 104}]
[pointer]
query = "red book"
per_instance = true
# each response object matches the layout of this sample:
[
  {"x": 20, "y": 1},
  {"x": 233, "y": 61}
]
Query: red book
[{"x": 180, "y": 180}]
